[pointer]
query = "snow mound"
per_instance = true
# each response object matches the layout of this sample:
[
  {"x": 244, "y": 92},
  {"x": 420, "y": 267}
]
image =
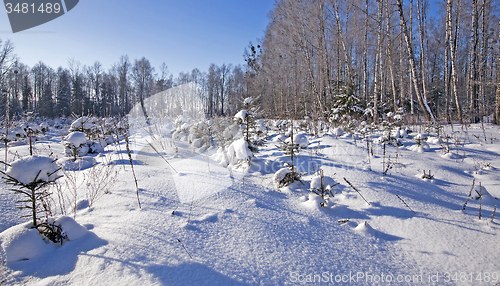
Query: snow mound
[
  {"x": 248, "y": 100},
  {"x": 314, "y": 202},
  {"x": 300, "y": 139},
  {"x": 338, "y": 131},
  {"x": 366, "y": 230},
  {"x": 21, "y": 242},
  {"x": 98, "y": 147},
  {"x": 82, "y": 123},
  {"x": 81, "y": 163},
  {"x": 29, "y": 168},
  {"x": 451, "y": 156},
  {"x": 434, "y": 140},
  {"x": 239, "y": 150},
  {"x": 327, "y": 182},
  {"x": 76, "y": 138},
  {"x": 279, "y": 138},
  {"x": 72, "y": 229}
]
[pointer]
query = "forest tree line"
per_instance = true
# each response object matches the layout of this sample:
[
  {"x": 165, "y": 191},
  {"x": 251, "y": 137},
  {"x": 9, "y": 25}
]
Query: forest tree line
[
  {"x": 92, "y": 90},
  {"x": 438, "y": 61}
]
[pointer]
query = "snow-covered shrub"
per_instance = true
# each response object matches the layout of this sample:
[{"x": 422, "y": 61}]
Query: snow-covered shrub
[
  {"x": 239, "y": 152},
  {"x": 200, "y": 134},
  {"x": 30, "y": 176},
  {"x": 290, "y": 148},
  {"x": 346, "y": 108},
  {"x": 53, "y": 232},
  {"x": 252, "y": 131},
  {"x": 338, "y": 131},
  {"x": 299, "y": 139},
  {"x": 76, "y": 144},
  {"x": 284, "y": 176},
  {"x": 44, "y": 127},
  {"x": 86, "y": 125},
  {"x": 322, "y": 186}
]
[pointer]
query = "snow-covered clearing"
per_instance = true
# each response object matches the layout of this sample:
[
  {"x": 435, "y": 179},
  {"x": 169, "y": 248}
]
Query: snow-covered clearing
[{"x": 204, "y": 224}]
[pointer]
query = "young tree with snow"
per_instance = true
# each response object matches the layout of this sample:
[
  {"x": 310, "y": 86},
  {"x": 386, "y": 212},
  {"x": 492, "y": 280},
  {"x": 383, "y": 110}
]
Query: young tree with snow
[
  {"x": 246, "y": 119},
  {"x": 30, "y": 176}
]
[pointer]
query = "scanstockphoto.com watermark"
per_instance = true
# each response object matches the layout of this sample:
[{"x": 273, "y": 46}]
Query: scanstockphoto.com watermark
[{"x": 360, "y": 277}]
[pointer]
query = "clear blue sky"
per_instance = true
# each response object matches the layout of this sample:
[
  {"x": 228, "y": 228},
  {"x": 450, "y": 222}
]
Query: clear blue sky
[{"x": 185, "y": 34}]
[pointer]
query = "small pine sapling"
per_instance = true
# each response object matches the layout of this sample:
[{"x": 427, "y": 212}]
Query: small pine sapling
[
  {"x": 290, "y": 149},
  {"x": 30, "y": 176},
  {"x": 248, "y": 123},
  {"x": 322, "y": 190}
]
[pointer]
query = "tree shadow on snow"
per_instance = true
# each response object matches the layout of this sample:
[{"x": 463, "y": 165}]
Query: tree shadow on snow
[{"x": 190, "y": 274}]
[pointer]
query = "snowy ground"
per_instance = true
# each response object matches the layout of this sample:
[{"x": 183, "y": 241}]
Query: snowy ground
[{"x": 204, "y": 224}]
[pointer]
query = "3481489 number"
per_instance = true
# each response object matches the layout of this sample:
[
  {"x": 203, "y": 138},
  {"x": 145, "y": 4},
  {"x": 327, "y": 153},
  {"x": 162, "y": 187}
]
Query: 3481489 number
[
  {"x": 25, "y": 8},
  {"x": 488, "y": 277}
]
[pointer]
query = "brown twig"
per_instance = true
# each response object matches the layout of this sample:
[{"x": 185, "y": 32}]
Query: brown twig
[
  {"x": 357, "y": 191},
  {"x": 405, "y": 204},
  {"x": 178, "y": 240}
]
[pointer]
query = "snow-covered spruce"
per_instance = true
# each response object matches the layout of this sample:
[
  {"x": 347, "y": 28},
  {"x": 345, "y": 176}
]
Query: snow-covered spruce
[
  {"x": 251, "y": 130},
  {"x": 284, "y": 177},
  {"x": 22, "y": 242},
  {"x": 84, "y": 124},
  {"x": 239, "y": 152},
  {"x": 76, "y": 144},
  {"x": 31, "y": 169},
  {"x": 322, "y": 186},
  {"x": 30, "y": 175}
]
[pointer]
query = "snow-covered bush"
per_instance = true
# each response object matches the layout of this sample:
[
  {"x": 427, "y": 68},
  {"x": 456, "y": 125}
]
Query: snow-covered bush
[
  {"x": 290, "y": 148},
  {"x": 322, "y": 186},
  {"x": 76, "y": 144},
  {"x": 299, "y": 139},
  {"x": 252, "y": 130},
  {"x": 200, "y": 134},
  {"x": 86, "y": 125},
  {"x": 284, "y": 176},
  {"x": 30, "y": 176},
  {"x": 346, "y": 108}
]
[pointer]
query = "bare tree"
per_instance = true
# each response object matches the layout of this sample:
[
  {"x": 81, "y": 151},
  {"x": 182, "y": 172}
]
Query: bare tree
[{"x": 409, "y": 48}]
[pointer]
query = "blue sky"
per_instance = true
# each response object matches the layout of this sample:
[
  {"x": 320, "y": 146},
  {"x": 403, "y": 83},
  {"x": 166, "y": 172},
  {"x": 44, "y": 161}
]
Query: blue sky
[{"x": 184, "y": 34}]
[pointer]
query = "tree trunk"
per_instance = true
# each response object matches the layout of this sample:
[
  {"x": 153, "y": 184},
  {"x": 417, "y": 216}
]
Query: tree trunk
[
  {"x": 377, "y": 80},
  {"x": 472, "y": 86},
  {"x": 453, "y": 45},
  {"x": 365, "y": 55},
  {"x": 389, "y": 55},
  {"x": 422, "y": 47},
  {"x": 423, "y": 104},
  {"x": 447, "y": 65},
  {"x": 497, "y": 103}
]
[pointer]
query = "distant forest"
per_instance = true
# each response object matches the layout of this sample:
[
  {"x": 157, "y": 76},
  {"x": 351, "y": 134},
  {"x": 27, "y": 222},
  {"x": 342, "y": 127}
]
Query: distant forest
[{"x": 321, "y": 59}]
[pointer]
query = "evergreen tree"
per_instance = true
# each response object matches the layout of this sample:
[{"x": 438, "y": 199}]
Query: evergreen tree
[
  {"x": 78, "y": 95},
  {"x": 63, "y": 96},
  {"x": 46, "y": 104},
  {"x": 27, "y": 94}
]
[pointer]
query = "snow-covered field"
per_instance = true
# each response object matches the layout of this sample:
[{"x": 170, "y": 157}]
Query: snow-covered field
[{"x": 202, "y": 223}]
